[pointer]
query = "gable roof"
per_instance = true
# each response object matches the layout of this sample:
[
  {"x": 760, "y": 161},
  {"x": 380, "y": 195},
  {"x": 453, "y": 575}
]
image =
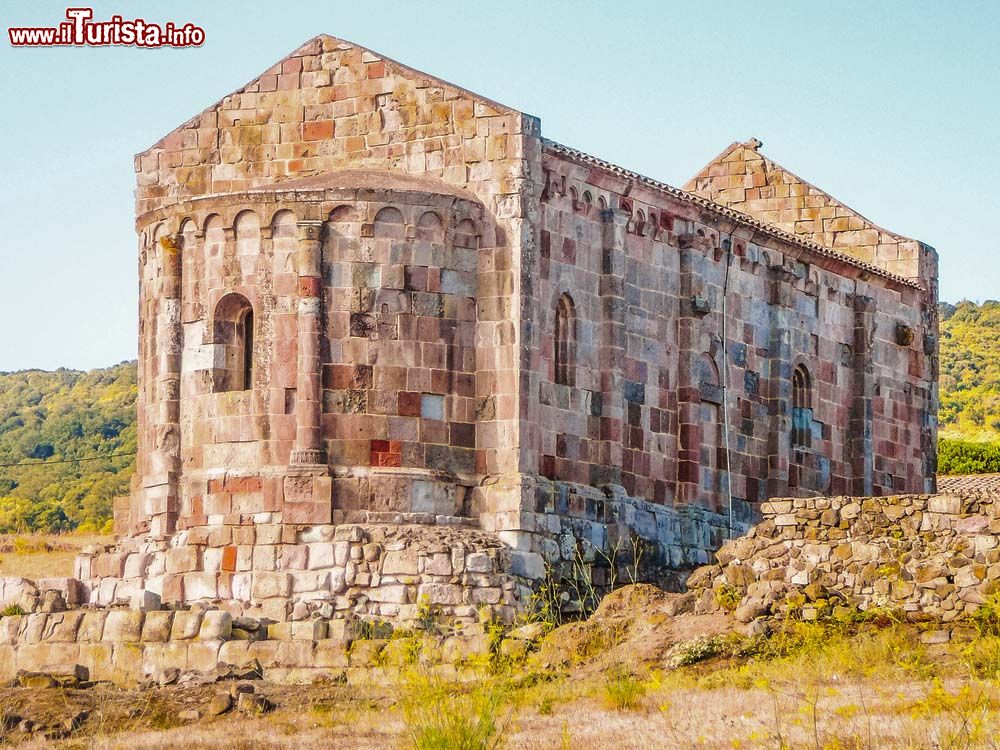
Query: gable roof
[
  {"x": 319, "y": 43},
  {"x": 744, "y": 179}
]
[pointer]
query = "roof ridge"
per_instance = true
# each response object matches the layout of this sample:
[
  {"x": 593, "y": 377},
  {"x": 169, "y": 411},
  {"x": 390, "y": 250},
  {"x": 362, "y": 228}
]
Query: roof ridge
[{"x": 731, "y": 213}]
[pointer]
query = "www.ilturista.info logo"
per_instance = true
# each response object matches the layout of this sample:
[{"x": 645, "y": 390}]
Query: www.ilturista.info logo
[{"x": 81, "y": 31}]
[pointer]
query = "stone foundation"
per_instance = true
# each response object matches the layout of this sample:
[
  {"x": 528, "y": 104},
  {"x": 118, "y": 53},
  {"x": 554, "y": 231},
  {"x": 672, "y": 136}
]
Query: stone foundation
[
  {"x": 386, "y": 566},
  {"x": 620, "y": 538},
  {"x": 128, "y": 647},
  {"x": 283, "y": 572}
]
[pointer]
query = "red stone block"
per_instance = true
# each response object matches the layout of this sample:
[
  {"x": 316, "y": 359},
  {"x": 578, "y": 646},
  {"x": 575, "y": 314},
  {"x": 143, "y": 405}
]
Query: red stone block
[
  {"x": 408, "y": 404},
  {"x": 389, "y": 459},
  {"x": 229, "y": 559},
  {"x": 433, "y": 279},
  {"x": 309, "y": 286},
  {"x": 272, "y": 490},
  {"x": 307, "y": 513},
  {"x": 173, "y": 588},
  {"x": 440, "y": 381},
  {"x": 317, "y": 130},
  {"x": 463, "y": 435},
  {"x": 569, "y": 250},
  {"x": 688, "y": 471}
]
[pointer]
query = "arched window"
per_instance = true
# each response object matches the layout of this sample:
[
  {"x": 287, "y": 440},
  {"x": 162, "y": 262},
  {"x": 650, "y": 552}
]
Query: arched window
[
  {"x": 234, "y": 335},
  {"x": 565, "y": 345},
  {"x": 802, "y": 413}
]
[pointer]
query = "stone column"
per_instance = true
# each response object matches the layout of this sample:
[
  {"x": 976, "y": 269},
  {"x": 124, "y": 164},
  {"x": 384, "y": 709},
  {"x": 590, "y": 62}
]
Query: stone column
[
  {"x": 688, "y": 485},
  {"x": 612, "y": 357},
  {"x": 161, "y": 491},
  {"x": 308, "y": 449},
  {"x": 859, "y": 434},
  {"x": 308, "y": 490}
]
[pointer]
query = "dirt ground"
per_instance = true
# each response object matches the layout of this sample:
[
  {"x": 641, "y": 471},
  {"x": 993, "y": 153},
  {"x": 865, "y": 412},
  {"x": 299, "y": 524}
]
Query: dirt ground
[{"x": 854, "y": 715}]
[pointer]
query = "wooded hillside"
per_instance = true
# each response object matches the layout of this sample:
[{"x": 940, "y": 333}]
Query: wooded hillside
[{"x": 59, "y": 432}]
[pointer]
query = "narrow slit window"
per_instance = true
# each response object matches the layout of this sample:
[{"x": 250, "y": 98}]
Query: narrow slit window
[
  {"x": 247, "y": 335},
  {"x": 565, "y": 341},
  {"x": 802, "y": 413}
]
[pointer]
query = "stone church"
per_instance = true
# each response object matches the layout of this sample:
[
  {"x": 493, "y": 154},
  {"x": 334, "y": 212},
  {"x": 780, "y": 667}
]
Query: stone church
[{"x": 394, "y": 343}]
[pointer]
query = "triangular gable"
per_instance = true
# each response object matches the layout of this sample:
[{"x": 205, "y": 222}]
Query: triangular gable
[
  {"x": 325, "y": 42},
  {"x": 330, "y": 105},
  {"x": 746, "y": 180}
]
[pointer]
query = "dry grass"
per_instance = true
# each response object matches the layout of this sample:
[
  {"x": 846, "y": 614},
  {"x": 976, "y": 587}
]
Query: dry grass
[
  {"x": 854, "y": 685},
  {"x": 43, "y": 555},
  {"x": 846, "y": 714}
]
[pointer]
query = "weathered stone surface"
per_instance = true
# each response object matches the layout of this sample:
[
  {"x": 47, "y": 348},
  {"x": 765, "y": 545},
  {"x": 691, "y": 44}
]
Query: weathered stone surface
[
  {"x": 400, "y": 267},
  {"x": 216, "y": 625},
  {"x": 186, "y": 626},
  {"x": 879, "y": 555},
  {"x": 221, "y": 702},
  {"x": 123, "y": 626},
  {"x": 253, "y": 704}
]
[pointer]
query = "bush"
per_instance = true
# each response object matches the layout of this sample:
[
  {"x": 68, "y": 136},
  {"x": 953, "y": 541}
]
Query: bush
[
  {"x": 982, "y": 657},
  {"x": 703, "y": 647},
  {"x": 623, "y": 691},
  {"x": 440, "y": 716},
  {"x": 965, "y": 457}
]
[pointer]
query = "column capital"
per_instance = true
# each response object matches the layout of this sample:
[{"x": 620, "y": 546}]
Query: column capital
[{"x": 310, "y": 230}]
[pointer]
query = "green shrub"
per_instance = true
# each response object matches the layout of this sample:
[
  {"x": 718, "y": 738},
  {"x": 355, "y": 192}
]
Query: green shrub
[
  {"x": 982, "y": 657},
  {"x": 728, "y": 597},
  {"x": 447, "y": 716},
  {"x": 965, "y": 457},
  {"x": 372, "y": 630},
  {"x": 698, "y": 649},
  {"x": 987, "y": 617},
  {"x": 623, "y": 691}
]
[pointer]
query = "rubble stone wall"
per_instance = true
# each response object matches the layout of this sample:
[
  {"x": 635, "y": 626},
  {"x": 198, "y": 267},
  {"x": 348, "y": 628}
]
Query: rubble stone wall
[
  {"x": 615, "y": 537},
  {"x": 932, "y": 556}
]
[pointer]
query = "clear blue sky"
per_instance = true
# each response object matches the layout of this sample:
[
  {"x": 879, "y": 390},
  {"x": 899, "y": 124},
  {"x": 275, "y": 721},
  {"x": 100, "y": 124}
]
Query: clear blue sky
[{"x": 893, "y": 107}]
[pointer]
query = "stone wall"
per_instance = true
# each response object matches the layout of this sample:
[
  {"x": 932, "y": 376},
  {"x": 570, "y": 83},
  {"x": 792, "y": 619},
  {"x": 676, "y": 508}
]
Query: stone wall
[
  {"x": 128, "y": 647},
  {"x": 690, "y": 326},
  {"x": 611, "y": 537},
  {"x": 353, "y": 571},
  {"x": 934, "y": 557}
]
